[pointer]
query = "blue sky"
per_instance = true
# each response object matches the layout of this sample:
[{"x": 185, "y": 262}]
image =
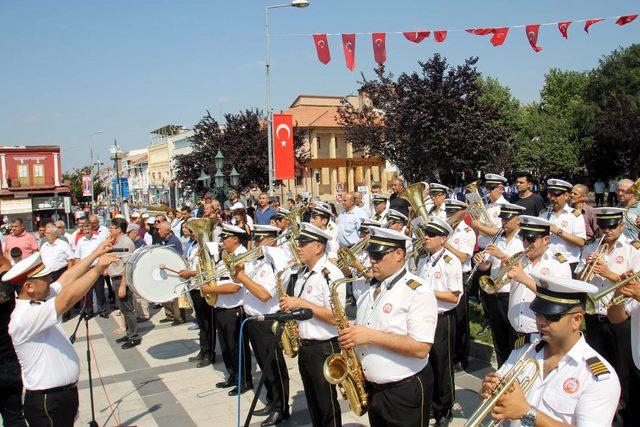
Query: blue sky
[{"x": 70, "y": 68}]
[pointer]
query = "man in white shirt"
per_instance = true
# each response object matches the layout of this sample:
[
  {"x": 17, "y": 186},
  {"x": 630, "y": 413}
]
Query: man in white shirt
[
  {"x": 438, "y": 194},
  {"x": 598, "y": 190},
  {"x": 88, "y": 243},
  {"x": 56, "y": 253},
  {"x": 494, "y": 184},
  {"x": 320, "y": 217},
  {"x": 50, "y": 365},
  {"x": 379, "y": 203},
  {"x": 349, "y": 221},
  {"x": 99, "y": 229},
  {"x": 310, "y": 288},
  {"x": 575, "y": 386},
  {"x": 393, "y": 334}
]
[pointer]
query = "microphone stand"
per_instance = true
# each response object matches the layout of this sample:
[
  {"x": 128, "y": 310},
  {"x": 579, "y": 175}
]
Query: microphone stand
[
  {"x": 85, "y": 316},
  {"x": 267, "y": 368}
]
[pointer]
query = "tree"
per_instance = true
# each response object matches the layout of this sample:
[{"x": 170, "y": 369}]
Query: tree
[
  {"x": 242, "y": 140},
  {"x": 430, "y": 123}
]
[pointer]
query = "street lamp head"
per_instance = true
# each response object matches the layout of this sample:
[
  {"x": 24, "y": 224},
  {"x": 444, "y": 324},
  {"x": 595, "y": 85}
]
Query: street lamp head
[
  {"x": 219, "y": 160},
  {"x": 218, "y": 179},
  {"x": 234, "y": 177},
  {"x": 300, "y": 3}
]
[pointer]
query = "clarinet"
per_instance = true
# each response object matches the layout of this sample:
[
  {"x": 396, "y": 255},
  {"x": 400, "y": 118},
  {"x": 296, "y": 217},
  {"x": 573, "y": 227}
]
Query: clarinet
[{"x": 494, "y": 239}]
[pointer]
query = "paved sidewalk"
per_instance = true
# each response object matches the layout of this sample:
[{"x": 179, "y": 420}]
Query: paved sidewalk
[{"x": 154, "y": 385}]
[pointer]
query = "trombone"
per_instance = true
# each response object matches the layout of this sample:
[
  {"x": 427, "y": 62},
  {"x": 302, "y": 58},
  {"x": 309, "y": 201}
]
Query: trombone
[
  {"x": 516, "y": 373},
  {"x": 620, "y": 299}
]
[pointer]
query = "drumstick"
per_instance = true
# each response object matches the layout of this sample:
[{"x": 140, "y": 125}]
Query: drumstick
[{"x": 164, "y": 267}]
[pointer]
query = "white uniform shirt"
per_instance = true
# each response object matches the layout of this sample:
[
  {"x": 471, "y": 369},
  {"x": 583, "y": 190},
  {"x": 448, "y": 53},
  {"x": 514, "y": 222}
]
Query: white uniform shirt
[
  {"x": 521, "y": 317},
  {"x": 400, "y": 308},
  {"x": 622, "y": 258},
  {"x": 494, "y": 214},
  {"x": 313, "y": 287},
  {"x": 571, "y": 393},
  {"x": 360, "y": 285},
  {"x": 382, "y": 217},
  {"x": 235, "y": 299},
  {"x": 511, "y": 248},
  {"x": 261, "y": 272},
  {"x": 570, "y": 221},
  {"x": 57, "y": 255},
  {"x": 442, "y": 272},
  {"x": 440, "y": 212},
  {"x": 46, "y": 356},
  {"x": 633, "y": 308},
  {"x": 463, "y": 239},
  {"x": 86, "y": 246}
]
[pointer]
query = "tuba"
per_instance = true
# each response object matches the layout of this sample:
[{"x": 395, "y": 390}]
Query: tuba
[
  {"x": 202, "y": 229},
  {"x": 343, "y": 369},
  {"x": 413, "y": 195},
  {"x": 493, "y": 284},
  {"x": 476, "y": 206},
  {"x": 516, "y": 373},
  {"x": 289, "y": 340}
]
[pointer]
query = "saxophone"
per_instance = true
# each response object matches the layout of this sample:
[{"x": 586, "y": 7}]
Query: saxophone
[
  {"x": 289, "y": 340},
  {"x": 344, "y": 369},
  {"x": 202, "y": 229}
]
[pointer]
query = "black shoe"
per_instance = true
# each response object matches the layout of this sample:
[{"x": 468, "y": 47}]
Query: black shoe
[
  {"x": 459, "y": 367},
  {"x": 122, "y": 339},
  {"x": 131, "y": 343},
  {"x": 197, "y": 358},
  {"x": 245, "y": 388},
  {"x": 230, "y": 382},
  {"x": 264, "y": 411},
  {"x": 166, "y": 320},
  {"x": 276, "y": 417},
  {"x": 203, "y": 363}
]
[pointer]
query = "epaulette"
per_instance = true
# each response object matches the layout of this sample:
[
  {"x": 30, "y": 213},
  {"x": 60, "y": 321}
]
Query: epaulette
[
  {"x": 447, "y": 258},
  {"x": 326, "y": 271},
  {"x": 413, "y": 284},
  {"x": 597, "y": 367},
  {"x": 576, "y": 213},
  {"x": 561, "y": 258},
  {"x": 521, "y": 341},
  {"x": 635, "y": 244}
]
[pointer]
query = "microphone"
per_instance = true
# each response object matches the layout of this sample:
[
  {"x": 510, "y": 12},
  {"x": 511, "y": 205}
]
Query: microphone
[
  {"x": 117, "y": 250},
  {"x": 285, "y": 316}
]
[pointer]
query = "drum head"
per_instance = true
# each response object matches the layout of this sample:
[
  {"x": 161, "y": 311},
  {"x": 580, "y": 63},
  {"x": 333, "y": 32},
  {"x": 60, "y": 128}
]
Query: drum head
[{"x": 155, "y": 284}]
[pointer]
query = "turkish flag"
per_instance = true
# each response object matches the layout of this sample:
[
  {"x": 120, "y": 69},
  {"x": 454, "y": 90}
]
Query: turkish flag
[
  {"x": 322, "y": 48},
  {"x": 479, "y": 31},
  {"x": 563, "y": 27},
  {"x": 624, "y": 20},
  {"x": 379, "y": 47},
  {"x": 440, "y": 36},
  {"x": 283, "y": 158},
  {"x": 349, "y": 47},
  {"x": 532, "y": 35},
  {"x": 590, "y": 22},
  {"x": 417, "y": 36},
  {"x": 499, "y": 36}
]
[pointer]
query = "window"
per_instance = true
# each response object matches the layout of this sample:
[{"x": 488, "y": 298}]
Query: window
[
  {"x": 23, "y": 175},
  {"x": 38, "y": 174}
]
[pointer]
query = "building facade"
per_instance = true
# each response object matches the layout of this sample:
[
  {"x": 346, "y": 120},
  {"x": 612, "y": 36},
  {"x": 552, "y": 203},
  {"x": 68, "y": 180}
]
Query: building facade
[{"x": 32, "y": 187}]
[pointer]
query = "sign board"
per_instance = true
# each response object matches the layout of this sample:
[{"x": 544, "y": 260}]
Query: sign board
[
  {"x": 340, "y": 187},
  {"x": 67, "y": 205},
  {"x": 47, "y": 203},
  {"x": 87, "y": 186},
  {"x": 366, "y": 195},
  {"x": 339, "y": 197},
  {"x": 15, "y": 206}
]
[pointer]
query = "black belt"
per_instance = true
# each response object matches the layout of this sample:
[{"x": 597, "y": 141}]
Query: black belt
[
  {"x": 116, "y": 277},
  {"x": 307, "y": 343},
  {"x": 386, "y": 386},
  {"x": 67, "y": 387},
  {"x": 447, "y": 313},
  {"x": 597, "y": 317}
]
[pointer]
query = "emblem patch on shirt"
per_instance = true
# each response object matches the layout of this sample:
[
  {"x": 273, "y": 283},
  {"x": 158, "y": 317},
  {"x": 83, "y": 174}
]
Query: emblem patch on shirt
[
  {"x": 309, "y": 289},
  {"x": 545, "y": 271},
  {"x": 387, "y": 308},
  {"x": 564, "y": 223},
  {"x": 437, "y": 275},
  {"x": 571, "y": 385},
  {"x": 456, "y": 241},
  {"x": 619, "y": 259}
]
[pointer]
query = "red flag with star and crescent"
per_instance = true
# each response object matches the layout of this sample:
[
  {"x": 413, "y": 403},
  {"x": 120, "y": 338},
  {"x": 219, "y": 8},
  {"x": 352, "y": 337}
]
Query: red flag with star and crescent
[
  {"x": 590, "y": 22},
  {"x": 283, "y": 153},
  {"x": 379, "y": 47},
  {"x": 563, "y": 27},
  {"x": 417, "y": 36},
  {"x": 532, "y": 35},
  {"x": 349, "y": 47},
  {"x": 440, "y": 35},
  {"x": 322, "y": 48}
]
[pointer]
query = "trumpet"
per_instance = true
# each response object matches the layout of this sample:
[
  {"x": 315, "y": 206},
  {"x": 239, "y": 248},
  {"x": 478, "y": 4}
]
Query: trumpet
[
  {"x": 476, "y": 206},
  {"x": 494, "y": 239},
  {"x": 588, "y": 274},
  {"x": 620, "y": 299},
  {"x": 516, "y": 373},
  {"x": 493, "y": 284}
]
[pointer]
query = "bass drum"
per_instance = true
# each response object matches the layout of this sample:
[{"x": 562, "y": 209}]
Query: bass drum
[{"x": 149, "y": 281}]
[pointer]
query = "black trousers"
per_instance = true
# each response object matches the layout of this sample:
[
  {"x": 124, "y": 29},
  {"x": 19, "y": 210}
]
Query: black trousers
[
  {"x": 441, "y": 361},
  {"x": 633, "y": 411},
  {"x": 405, "y": 403},
  {"x": 461, "y": 346},
  {"x": 496, "y": 308},
  {"x": 612, "y": 198},
  {"x": 599, "y": 199},
  {"x": 56, "y": 274},
  {"x": 56, "y": 409},
  {"x": 205, "y": 317},
  {"x": 322, "y": 399},
  {"x": 277, "y": 382},
  {"x": 228, "y": 322},
  {"x": 98, "y": 289},
  {"x": 11, "y": 394},
  {"x": 613, "y": 342}
]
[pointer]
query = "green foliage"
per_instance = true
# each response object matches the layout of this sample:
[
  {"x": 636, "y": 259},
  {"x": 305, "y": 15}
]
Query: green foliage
[{"x": 75, "y": 183}]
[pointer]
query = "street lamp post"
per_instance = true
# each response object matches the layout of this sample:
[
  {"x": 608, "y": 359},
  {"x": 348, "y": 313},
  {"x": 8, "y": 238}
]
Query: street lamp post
[
  {"x": 115, "y": 150},
  {"x": 294, "y": 3},
  {"x": 91, "y": 167}
]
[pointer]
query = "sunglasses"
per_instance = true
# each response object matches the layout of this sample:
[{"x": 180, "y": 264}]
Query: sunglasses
[
  {"x": 552, "y": 318},
  {"x": 377, "y": 256},
  {"x": 530, "y": 239},
  {"x": 432, "y": 234},
  {"x": 608, "y": 227}
]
